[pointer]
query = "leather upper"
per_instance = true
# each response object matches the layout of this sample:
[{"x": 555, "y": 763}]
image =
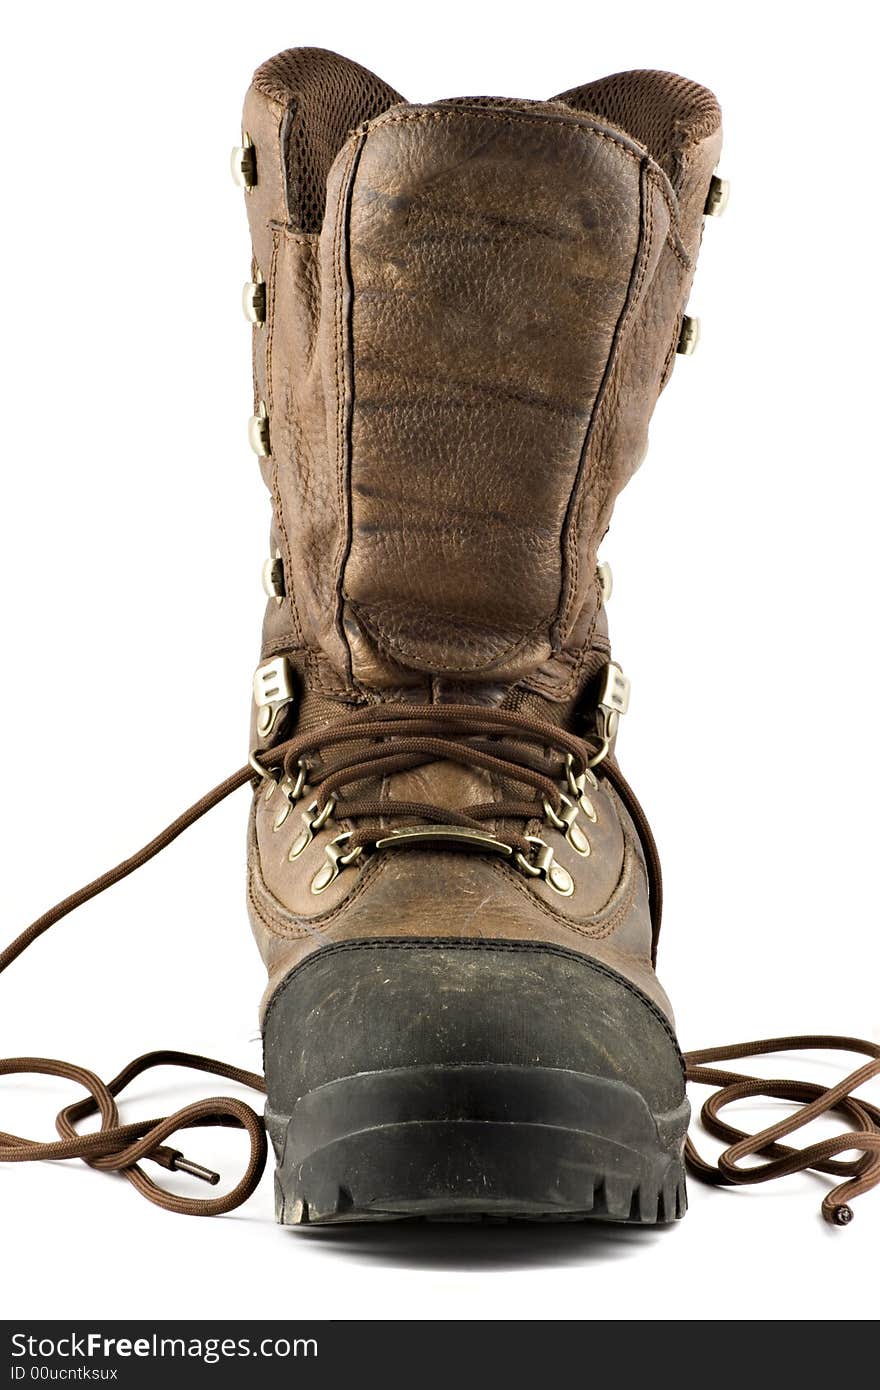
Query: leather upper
[
  {"x": 459, "y": 370},
  {"x": 471, "y": 308}
]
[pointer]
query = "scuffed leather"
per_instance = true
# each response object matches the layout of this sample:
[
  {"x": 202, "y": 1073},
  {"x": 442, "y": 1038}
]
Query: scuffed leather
[{"x": 411, "y": 893}]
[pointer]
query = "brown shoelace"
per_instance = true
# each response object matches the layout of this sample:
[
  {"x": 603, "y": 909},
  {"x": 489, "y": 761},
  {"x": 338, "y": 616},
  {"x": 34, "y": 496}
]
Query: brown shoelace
[{"x": 515, "y": 749}]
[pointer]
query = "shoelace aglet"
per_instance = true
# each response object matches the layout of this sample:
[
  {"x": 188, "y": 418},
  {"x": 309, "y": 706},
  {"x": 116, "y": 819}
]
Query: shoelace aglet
[{"x": 180, "y": 1163}]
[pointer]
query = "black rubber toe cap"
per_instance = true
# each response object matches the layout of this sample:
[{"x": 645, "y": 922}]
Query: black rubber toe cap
[{"x": 366, "y": 1006}]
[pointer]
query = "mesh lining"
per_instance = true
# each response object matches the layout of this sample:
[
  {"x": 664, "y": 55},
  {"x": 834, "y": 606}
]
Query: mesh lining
[
  {"x": 665, "y": 113},
  {"x": 326, "y": 97}
]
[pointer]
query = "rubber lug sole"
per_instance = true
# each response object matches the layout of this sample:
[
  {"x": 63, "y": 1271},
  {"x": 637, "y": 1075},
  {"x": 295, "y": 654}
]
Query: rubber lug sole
[{"x": 480, "y": 1142}]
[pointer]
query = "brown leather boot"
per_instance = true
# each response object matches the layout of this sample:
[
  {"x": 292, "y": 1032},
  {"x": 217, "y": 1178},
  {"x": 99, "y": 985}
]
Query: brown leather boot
[{"x": 463, "y": 315}]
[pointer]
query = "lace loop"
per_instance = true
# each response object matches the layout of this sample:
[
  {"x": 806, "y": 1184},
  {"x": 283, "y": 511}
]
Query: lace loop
[
  {"x": 779, "y": 1159},
  {"x": 119, "y": 1148}
]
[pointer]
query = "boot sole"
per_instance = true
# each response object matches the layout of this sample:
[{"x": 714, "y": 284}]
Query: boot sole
[{"x": 471, "y": 1143}]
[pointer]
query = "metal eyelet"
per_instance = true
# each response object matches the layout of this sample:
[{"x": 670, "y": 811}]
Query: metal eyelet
[
  {"x": 271, "y": 776},
  {"x": 293, "y": 789},
  {"x": 264, "y": 773},
  {"x": 258, "y": 432},
  {"x": 612, "y": 703},
  {"x": 243, "y": 162},
  {"x": 545, "y": 865},
  {"x": 312, "y": 820},
  {"x": 566, "y": 820},
  {"x": 300, "y": 781},
  {"x": 588, "y": 808},
  {"x": 576, "y": 784},
  {"x": 273, "y": 577},
  {"x": 688, "y": 336},
  {"x": 718, "y": 196},
  {"x": 273, "y": 692},
  {"x": 337, "y": 860},
  {"x": 253, "y": 300}
]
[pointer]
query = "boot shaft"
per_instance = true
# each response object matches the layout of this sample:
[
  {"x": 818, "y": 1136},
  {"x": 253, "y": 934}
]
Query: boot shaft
[{"x": 456, "y": 354}]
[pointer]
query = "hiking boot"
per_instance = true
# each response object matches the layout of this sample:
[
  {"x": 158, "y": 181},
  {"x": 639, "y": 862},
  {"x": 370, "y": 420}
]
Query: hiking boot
[{"x": 463, "y": 314}]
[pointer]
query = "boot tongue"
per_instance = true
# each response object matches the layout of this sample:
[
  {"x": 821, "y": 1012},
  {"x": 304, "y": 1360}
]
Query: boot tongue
[{"x": 481, "y": 255}]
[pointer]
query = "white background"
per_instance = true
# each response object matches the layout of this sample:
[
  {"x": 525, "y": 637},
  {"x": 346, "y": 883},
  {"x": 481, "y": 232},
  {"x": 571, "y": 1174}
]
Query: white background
[{"x": 132, "y": 529}]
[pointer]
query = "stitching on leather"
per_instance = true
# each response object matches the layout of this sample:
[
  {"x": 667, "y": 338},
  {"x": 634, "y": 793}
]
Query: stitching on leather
[
  {"x": 277, "y": 501},
  {"x": 347, "y": 418},
  {"x": 668, "y": 361},
  {"x": 393, "y": 646},
  {"x": 340, "y": 327},
  {"x": 293, "y": 233},
  {"x": 289, "y": 932},
  {"x": 581, "y": 658},
  {"x": 473, "y": 624},
  {"x": 269, "y": 330},
  {"x": 598, "y": 418},
  {"x": 646, "y": 259},
  {"x": 643, "y": 257},
  {"x": 298, "y": 924},
  {"x": 317, "y": 684},
  {"x": 451, "y": 116},
  {"x": 602, "y": 484},
  {"x": 285, "y": 135},
  {"x": 673, "y": 237},
  {"x": 570, "y": 533},
  {"x": 594, "y": 623},
  {"x": 452, "y": 617},
  {"x": 301, "y": 927},
  {"x": 607, "y": 919},
  {"x": 279, "y": 116},
  {"x": 579, "y": 127},
  {"x": 469, "y": 944},
  {"x": 337, "y": 312}
]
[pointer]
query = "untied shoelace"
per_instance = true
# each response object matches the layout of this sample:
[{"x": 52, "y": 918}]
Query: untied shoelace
[{"x": 513, "y": 747}]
